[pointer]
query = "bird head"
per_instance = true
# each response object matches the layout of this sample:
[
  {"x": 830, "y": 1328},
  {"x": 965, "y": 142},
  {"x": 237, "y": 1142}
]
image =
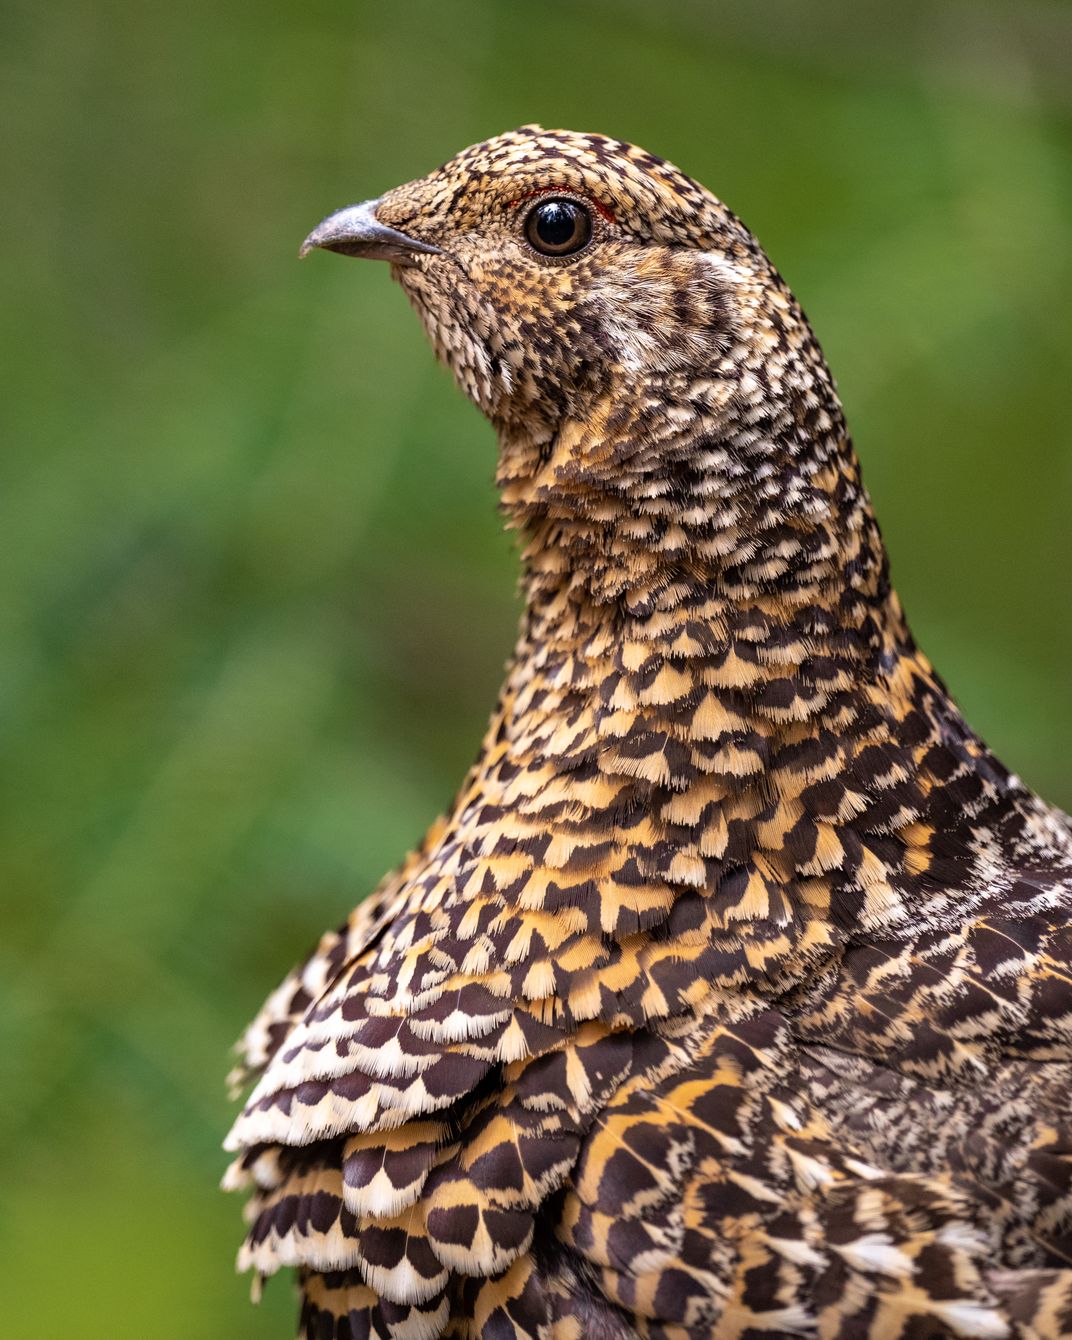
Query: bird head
[
  {"x": 551, "y": 269},
  {"x": 650, "y": 375}
]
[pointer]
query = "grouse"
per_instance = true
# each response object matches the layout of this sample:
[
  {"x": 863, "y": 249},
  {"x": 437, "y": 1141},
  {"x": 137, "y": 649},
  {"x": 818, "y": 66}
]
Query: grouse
[{"x": 732, "y": 997}]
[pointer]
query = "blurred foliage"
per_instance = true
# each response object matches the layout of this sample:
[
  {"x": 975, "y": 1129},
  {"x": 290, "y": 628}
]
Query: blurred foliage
[{"x": 255, "y": 595}]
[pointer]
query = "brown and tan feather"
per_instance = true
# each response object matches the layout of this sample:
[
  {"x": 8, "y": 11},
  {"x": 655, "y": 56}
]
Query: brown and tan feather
[{"x": 734, "y": 994}]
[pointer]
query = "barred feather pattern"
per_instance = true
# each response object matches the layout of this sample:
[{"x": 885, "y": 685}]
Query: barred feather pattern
[{"x": 733, "y": 995}]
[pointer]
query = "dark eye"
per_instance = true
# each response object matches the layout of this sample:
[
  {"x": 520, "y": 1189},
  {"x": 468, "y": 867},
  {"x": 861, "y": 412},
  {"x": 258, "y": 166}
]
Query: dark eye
[{"x": 558, "y": 227}]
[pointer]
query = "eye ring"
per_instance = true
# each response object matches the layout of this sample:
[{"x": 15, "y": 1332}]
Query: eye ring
[{"x": 558, "y": 226}]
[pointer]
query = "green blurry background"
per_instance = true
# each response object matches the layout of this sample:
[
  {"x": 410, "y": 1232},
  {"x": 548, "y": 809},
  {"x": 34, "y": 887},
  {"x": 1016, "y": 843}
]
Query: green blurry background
[{"x": 255, "y": 596}]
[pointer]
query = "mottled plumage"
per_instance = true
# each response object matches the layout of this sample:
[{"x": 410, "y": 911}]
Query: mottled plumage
[{"x": 733, "y": 995}]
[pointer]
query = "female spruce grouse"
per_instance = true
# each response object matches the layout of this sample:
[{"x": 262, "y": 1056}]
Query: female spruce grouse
[{"x": 733, "y": 996}]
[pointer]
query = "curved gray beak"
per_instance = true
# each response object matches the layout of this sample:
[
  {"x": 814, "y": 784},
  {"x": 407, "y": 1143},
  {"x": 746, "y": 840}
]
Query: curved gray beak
[{"x": 356, "y": 231}]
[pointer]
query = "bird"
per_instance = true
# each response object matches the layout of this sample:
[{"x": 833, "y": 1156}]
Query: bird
[{"x": 732, "y": 996}]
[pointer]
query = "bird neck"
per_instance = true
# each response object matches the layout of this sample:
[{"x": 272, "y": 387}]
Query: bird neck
[
  {"x": 718, "y": 658},
  {"x": 707, "y": 492},
  {"x": 688, "y": 534}
]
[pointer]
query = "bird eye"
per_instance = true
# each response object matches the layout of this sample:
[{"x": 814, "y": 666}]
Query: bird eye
[{"x": 558, "y": 227}]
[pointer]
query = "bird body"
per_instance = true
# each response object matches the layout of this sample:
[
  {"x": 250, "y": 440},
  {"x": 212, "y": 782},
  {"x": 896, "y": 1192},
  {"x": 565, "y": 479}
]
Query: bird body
[{"x": 733, "y": 995}]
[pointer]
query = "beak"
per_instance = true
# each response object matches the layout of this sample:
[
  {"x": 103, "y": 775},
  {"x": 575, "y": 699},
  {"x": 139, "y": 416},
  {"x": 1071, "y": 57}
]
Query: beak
[{"x": 356, "y": 231}]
